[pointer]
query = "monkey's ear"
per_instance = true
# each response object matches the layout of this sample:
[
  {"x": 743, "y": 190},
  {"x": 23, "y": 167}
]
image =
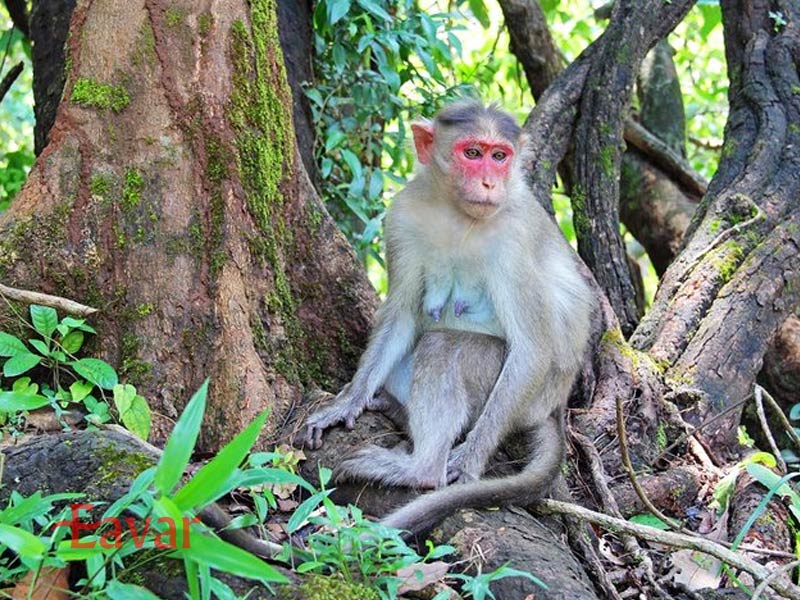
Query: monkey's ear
[{"x": 423, "y": 140}]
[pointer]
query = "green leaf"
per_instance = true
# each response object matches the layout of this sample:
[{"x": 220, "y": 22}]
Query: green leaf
[
  {"x": 44, "y": 319},
  {"x": 10, "y": 345},
  {"x": 116, "y": 590},
  {"x": 73, "y": 323},
  {"x": 226, "y": 557},
  {"x": 133, "y": 410},
  {"x": 211, "y": 481},
  {"x": 337, "y": 9},
  {"x": 181, "y": 442},
  {"x": 478, "y": 9},
  {"x": 20, "y": 363},
  {"x": 80, "y": 389},
  {"x": 11, "y": 402},
  {"x": 40, "y": 347},
  {"x": 20, "y": 541},
  {"x": 303, "y": 511},
  {"x": 73, "y": 341},
  {"x": 97, "y": 371},
  {"x": 794, "y": 413},
  {"x": 333, "y": 139},
  {"x": 650, "y": 521},
  {"x": 375, "y": 9}
]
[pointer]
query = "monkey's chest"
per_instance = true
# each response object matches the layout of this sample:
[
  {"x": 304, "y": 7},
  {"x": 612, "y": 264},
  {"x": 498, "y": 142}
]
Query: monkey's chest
[{"x": 458, "y": 299}]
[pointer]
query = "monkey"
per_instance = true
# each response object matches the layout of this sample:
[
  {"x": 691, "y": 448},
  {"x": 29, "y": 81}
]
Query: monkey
[{"x": 483, "y": 329}]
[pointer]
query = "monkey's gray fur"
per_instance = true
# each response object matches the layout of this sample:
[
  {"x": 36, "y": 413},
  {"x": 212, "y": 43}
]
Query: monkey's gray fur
[{"x": 483, "y": 330}]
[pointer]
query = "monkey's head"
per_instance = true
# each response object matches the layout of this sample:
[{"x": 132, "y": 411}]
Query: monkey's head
[{"x": 472, "y": 149}]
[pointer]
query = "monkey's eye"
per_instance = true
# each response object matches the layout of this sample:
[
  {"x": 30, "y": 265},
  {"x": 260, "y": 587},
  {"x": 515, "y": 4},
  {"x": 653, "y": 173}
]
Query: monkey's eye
[
  {"x": 499, "y": 155},
  {"x": 472, "y": 153}
]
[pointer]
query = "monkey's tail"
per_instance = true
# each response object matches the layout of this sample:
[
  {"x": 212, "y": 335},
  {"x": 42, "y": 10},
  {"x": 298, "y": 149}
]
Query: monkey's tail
[{"x": 524, "y": 488}]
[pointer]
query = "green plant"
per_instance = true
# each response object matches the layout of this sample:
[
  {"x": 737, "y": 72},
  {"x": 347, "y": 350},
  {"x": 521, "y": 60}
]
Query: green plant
[
  {"x": 368, "y": 55},
  {"x": 72, "y": 380}
]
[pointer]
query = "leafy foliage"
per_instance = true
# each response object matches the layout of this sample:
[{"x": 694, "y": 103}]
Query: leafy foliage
[
  {"x": 361, "y": 553},
  {"x": 54, "y": 351},
  {"x": 378, "y": 63},
  {"x": 16, "y": 112}
]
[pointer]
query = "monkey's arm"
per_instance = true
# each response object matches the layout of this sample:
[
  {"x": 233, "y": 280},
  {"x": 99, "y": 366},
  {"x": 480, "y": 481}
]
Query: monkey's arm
[{"x": 392, "y": 338}]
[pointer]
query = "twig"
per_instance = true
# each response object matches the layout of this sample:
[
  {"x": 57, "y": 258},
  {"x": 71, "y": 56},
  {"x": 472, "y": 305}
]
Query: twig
[
  {"x": 781, "y": 415},
  {"x": 772, "y": 576},
  {"x": 670, "y": 538},
  {"x": 762, "y": 419},
  {"x": 665, "y": 157},
  {"x": 10, "y": 78},
  {"x": 699, "y": 428},
  {"x": 705, "y": 144},
  {"x": 64, "y": 304},
  {"x": 626, "y": 463}
]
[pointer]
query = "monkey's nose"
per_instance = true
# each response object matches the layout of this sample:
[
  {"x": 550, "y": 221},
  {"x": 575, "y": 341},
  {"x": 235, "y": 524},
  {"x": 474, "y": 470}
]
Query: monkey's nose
[{"x": 489, "y": 185}]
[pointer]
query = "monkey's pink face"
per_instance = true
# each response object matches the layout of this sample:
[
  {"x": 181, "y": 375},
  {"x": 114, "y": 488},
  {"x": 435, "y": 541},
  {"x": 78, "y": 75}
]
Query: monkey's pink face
[{"x": 480, "y": 170}]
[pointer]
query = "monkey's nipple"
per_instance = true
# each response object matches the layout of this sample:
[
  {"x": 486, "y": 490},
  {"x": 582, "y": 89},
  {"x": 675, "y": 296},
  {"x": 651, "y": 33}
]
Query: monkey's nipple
[
  {"x": 436, "y": 314},
  {"x": 460, "y": 307}
]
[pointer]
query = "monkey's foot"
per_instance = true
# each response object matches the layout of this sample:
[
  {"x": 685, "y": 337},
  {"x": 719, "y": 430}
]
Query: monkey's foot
[
  {"x": 389, "y": 466},
  {"x": 460, "y": 469}
]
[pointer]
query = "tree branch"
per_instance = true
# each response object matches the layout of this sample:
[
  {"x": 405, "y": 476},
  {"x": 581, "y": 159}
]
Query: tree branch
[
  {"x": 18, "y": 11},
  {"x": 676, "y": 540},
  {"x": 9, "y": 79},
  {"x": 64, "y": 304}
]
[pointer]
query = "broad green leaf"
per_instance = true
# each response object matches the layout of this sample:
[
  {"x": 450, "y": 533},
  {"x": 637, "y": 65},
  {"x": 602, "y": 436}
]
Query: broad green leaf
[
  {"x": 10, "y": 345},
  {"x": 20, "y": 541},
  {"x": 181, "y": 442},
  {"x": 80, "y": 389},
  {"x": 73, "y": 341},
  {"x": 376, "y": 9},
  {"x": 73, "y": 323},
  {"x": 650, "y": 521},
  {"x": 44, "y": 319},
  {"x": 11, "y": 402},
  {"x": 210, "y": 482},
  {"x": 116, "y": 590},
  {"x": 97, "y": 371},
  {"x": 794, "y": 412},
  {"x": 478, "y": 9},
  {"x": 221, "y": 555},
  {"x": 20, "y": 363},
  {"x": 40, "y": 347},
  {"x": 268, "y": 475},
  {"x": 133, "y": 410},
  {"x": 303, "y": 511},
  {"x": 337, "y": 9}
]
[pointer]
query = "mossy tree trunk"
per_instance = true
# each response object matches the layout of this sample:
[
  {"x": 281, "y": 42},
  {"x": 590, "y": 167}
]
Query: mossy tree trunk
[{"x": 171, "y": 196}]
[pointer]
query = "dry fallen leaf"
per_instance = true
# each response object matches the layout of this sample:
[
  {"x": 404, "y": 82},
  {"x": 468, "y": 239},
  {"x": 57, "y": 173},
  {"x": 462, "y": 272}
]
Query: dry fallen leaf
[
  {"x": 52, "y": 584},
  {"x": 420, "y": 575}
]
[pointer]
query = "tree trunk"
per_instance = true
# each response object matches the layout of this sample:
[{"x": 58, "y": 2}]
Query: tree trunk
[{"x": 171, "y": 196}]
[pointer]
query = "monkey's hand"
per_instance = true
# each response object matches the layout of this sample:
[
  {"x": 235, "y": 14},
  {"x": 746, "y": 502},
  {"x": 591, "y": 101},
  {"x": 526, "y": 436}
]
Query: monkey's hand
[
  {"x": 346, "y": 408},
  {"x": 462, "y": 466}
]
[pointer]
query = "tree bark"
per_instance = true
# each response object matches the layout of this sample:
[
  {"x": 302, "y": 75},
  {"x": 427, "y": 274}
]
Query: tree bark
[{"x": 171, "y": 196}]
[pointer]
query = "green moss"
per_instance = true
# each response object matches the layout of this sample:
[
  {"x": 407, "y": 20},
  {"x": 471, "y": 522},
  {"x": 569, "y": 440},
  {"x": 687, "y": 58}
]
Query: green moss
[
  {"x": 796, "y": 89},
  {"x": 726, "y": 259},
  {"x": 116, "y": 464},
  {"x": 144, "y": 53},
  {"x": 728, "y": 148},
  {"x": 132, "y": 187},
  {"x": 144, "y": 309},
  {"x": 580, "y": 220},
  {"x": 319, "y": 587},
  {"x": 661, "y": 436},
  {"x": 204, "y": 23},
  {"x": 90, "y": 93},
  {"x": 714, "y": 226},
  {"x": 135, "y": 370},
  {"x": 607, "y": 160},
  {"x": 175, "y": 16},
  {"x": 101, "y": 184},
  {"x": 260, "y": 113},
  {"x": 794, "y": 128}
]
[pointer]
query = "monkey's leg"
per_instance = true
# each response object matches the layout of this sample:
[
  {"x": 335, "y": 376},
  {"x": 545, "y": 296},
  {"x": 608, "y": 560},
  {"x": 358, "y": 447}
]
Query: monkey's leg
[{"x": 438, "y": 409}]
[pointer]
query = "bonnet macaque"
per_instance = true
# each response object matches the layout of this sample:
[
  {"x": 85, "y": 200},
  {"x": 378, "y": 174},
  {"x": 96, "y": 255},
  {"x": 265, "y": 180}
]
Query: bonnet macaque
[{"x": 483, "y": 329}]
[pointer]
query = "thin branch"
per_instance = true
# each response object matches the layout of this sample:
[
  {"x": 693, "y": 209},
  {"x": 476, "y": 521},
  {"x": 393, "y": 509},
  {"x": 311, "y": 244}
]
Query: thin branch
[
  {"x": 772, "y": 576},
  {"x": 64, "y": 304},
  {"x": 762, "y": 419},
  {"x": 677, "y": 540},
  {"x": 626, "y": 463},
  {"x": 10, "y": 78},
  {"x": 18, "y": 11},
  {"x": 665, "y": 157},
  {"x": 781, "y": 415}
]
